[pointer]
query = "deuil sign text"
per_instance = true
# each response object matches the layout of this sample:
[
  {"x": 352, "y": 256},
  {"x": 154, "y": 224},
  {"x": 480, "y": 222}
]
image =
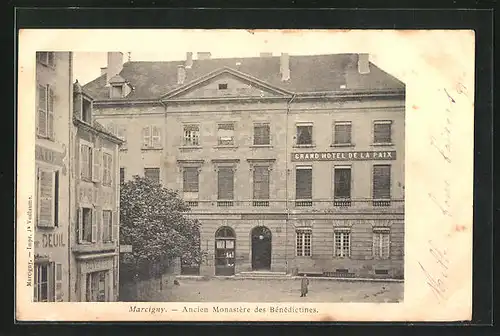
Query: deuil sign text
[{"x": 344, "y": 156}]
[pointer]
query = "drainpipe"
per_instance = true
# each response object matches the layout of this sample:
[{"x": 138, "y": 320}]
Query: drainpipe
[
  {"x": 70, "y": 164},
  {"x": 286, "y": 181}
]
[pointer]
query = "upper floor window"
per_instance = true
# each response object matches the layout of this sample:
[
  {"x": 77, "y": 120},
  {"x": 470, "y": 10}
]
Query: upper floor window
[
  {"x": 225, "y": 186},
  {"x": 381, "y": 182},
  {"x": 261, "y": 134},
  {"x": 342, "y": 133},
  {"x": 342, "y": 183},
  {"x": 191, "y": 135},
  {"x": 47, "y": 198},
  {"x": 87, "y": 225},
  {"x": 304, "y": 134},
  {"x": 90, "y": 162},
  {"x": 382, "y": 132},
  {"x": 261, "y": 185},
  {"x": 45, "y": 115},
  {"x": 225, "y": 134},
  {"x": 107, "y": 226},
  {"x": 223, "y": 86},
  {"x": 190, "y": 179},
  {"x": 303, "y": 186},
  {"x": 86, "y": 111},
  {"x": 151, "y": 137},
  {"x": 46, "y": 58},
  {"x": 117, "y": 91}
]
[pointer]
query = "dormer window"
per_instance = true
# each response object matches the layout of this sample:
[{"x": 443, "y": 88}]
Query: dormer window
[
  {"x": 87, "y": 111},
  {"x": 117, "y": 91},
  {"x": 223, "y": 86}
]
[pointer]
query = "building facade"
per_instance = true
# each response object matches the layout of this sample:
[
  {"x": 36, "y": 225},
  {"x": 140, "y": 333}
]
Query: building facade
[
  {"x": 292, "y": 163},
  {"x": 94, "y": 235},
  {"x": 52, "y": 217}
]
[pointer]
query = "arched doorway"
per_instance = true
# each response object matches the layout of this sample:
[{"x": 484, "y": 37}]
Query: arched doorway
[
  {"x": 261, "y": 248},
  {"x": 225, "y": 249}
]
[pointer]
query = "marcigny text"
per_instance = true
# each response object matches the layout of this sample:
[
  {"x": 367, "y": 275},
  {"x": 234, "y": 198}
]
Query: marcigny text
[{"x": 217, "y": 309}]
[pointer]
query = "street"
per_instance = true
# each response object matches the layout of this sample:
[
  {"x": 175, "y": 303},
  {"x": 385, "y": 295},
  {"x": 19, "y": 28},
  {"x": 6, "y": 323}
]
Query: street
[{"x": 248, "y": 290}]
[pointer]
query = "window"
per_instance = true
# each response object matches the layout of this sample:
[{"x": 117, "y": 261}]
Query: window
[
  {"x": 381, "y": 243},
  {"x": 382, "y": 132},
  {"x": 225, "y": 134},
  {"x": 46, "y": 58},
  {"x": 261, "y": 134},
  {"x": 342, "y": 243},
  {"x": 107, "y": 226},
  {"x": 87, "y": 226},
  {"x": 303, "y": 243},
  {"x": 381, "y": 183},
  {"x": 117, "y": 91},
  {"x": 122, "y": 175},
  {"x": 48, "y": 282},
  {"x": 304, "y": 134},
  {"x": 225, "y": 186},
  {"x": 97, "y": 286},
  {"x": 107, "y": 169},
  {"x": 152, "y": 173},
  {"x": 190, "y": 179},
  {"x": 86, "y": 162},
  {"x": 45, "y": 115},
  {"x": 303, "y": 186},
  {"x": 261, "y": 186},
  {"x": 342, "y": 186},
  {"x": 223, "y": 86},
  {"x": 342, "y": 133},
  {"x": 191, "y": 135},
  {"x": 47, "y": 198},
  {"x": 151, "y": 137},
  {"x": 86, "y": 111}
]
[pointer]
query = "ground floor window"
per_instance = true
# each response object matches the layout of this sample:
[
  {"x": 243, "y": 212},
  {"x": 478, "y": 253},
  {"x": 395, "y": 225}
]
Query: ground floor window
[
  {"x": 97, "y": 286},
  {"x": 381, "y": 243},
  {"x": 303, "y": 242},
  {"x": 342, "y": 243},
  {"x": 48, "y": 282}
]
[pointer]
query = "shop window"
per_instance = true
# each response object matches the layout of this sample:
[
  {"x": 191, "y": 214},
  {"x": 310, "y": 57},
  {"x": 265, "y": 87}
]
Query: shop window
[
  {"x": 48, "y": 282},
  {"x": 381, "y": 243},
  {"x": 261, "y": 134},
  {"x": 303, "y": 242},
  {"x": 225, "y": 249},
  {"x": 97, "y": 284},
  {"x": 342, "y": 243}
]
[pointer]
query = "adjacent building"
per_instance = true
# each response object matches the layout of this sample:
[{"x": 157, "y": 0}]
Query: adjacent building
[{"x": 292, "y": 163}]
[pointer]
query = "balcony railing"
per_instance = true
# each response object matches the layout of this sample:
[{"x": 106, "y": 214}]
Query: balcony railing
[{"x": 333, "y": 204}]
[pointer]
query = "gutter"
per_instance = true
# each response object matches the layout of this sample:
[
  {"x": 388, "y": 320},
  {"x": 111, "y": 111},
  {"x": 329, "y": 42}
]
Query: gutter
[{"x": 287, "y": 209}]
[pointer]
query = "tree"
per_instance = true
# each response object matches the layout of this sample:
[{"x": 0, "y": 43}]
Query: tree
[{"x": 154, "y": 221}]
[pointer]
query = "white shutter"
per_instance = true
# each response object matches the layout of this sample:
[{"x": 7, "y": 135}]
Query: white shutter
[
  {"x": 110, "y": 169},
  {"x": 146, "y": 137},
  {"x": 96, "y": 165},
  {"x": 80, "y": 225},
  {"x": 94, "y": 225},
  {"x": 46, "y": 188},
  {"x": 156, "y": 137},
  {"x": 83, "y": 160},
  {"x": 116, "y": 227},
  {"x": 50, "y": 112},
  {"x": 58, "y": 285},
  {"x": 42, "y": 110}
]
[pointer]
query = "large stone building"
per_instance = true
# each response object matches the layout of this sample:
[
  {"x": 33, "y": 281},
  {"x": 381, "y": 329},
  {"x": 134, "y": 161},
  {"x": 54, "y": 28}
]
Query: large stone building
[
  {"x": 76, "y": 200},
  {"x": 291, "y": 163}
]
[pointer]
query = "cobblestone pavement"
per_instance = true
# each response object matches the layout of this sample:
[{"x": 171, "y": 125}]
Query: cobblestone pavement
[{"x": 247, "y": 290}]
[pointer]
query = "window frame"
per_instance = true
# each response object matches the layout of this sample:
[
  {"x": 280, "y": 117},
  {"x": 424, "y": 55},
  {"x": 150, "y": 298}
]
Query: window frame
[
  {"x": 304, "y": 124},
  {"x": 262, "y": 124},
  {"x": 304, "y": 167},
  {"x": 373, "y": 182},
  {"x": 89, "y": 162},
  {"x": 233, "y": 143},
  {"x": 351, "y": 182},
  {"x": 302, "y": 233},
  {"x": 342, "y": 232},
  {"x": 377, "y": 251},
  {"x": 233, "y": 170},
  {"x": 81, "y": 225},
  {"x": 185, "y": 143},
  {"x": 87, "y": 118},
  {"x": 109, "y": 225},
  {"x": 382, "y": 122},
  {"x": 342, "y": 144},
  {"x": 107, "y": 168},
  {"x": 46, "y": 60},
  {"x": 107, "y": 283},
  {"x": 150, "y": 143}
]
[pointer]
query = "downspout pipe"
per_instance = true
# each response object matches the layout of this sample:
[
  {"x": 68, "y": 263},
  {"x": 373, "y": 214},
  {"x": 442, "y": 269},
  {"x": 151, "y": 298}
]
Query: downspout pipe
[{"x": 287, "y": 209}]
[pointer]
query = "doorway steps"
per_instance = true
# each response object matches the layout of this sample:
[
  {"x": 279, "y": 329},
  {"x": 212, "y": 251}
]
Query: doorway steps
[{"x": 262, "y": 275}]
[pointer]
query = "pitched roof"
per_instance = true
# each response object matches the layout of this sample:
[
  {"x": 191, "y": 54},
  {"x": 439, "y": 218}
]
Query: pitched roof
[{"x": 317, "y": 73}]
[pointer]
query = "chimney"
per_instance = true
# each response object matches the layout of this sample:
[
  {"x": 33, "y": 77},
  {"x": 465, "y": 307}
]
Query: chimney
[
  {"x": 189, "y": 60},
  {"x": 103, "y": 70},
  {"x": 181, "y": 74},
  {"x": 266, "y": 54},
  {"x": 285, "y": 67},
  {"x": 363, "y": 64},
  {"x": 115, "y": 64},
  {"x": 204, "y": 55}
]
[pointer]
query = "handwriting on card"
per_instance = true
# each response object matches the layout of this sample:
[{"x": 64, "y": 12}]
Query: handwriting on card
[{"x": 436, "y": 273}]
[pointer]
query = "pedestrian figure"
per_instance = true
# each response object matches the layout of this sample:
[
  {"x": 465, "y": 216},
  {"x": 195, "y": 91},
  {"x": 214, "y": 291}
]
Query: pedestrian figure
[{"x": 303, "y": 286}]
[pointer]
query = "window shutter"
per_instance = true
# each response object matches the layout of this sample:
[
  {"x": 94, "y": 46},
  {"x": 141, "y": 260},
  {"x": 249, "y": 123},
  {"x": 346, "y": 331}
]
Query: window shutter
[
  {"x": 80, "y": 225},
  {"x": 382, "y": 182},
  {"x": 225, "y": 183},
  {"x": 156, "y": 136},
  {"x": 96, "y": 164},
  {"x": 303, "y": 184},
  {"x": 146, "y": 137},
  {"x": 46, "y": 198},
  {"x": 42, "y": 111},
  {"x": 115, "y": 227},
  {"x": 94, "y": 225},
  {"x": 110, "y": 169},
  {"x": 83, "y": 160},
  {"x": 55, "y": 198},
  {"x": 50, "y": 112},
  {"x": 58, "y": 285}
]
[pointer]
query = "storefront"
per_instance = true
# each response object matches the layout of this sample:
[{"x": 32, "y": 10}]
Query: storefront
[{"x": 96, "y": 276}]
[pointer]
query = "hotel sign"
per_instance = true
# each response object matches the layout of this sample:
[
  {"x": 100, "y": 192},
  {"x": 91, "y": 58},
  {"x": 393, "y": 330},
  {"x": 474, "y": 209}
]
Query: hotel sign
[{"x": 344, "y": 156}]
